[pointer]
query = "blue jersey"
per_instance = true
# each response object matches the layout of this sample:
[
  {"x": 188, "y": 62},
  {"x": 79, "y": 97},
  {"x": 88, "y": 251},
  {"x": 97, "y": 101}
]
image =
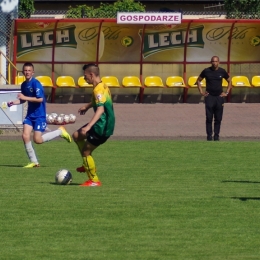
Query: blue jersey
[{"x": 34, "y": 88}]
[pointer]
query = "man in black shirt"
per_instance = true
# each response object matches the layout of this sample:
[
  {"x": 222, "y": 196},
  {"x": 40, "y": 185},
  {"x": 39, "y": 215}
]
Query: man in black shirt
[{"x": 214, "y": 96}]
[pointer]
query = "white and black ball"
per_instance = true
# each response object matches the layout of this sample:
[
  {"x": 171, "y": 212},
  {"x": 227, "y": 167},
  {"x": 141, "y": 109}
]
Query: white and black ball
[{"x": 63, "y": 177}]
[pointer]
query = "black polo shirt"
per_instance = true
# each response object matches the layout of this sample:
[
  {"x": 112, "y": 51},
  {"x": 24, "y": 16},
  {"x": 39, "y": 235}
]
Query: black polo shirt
[{"x": 214, "y": 80}]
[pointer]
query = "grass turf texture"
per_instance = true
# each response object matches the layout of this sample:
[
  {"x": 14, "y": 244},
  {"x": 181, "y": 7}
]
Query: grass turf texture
[{"x": 159, "y": 200}]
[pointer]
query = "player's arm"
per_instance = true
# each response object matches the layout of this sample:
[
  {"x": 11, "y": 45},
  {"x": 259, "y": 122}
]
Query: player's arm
[
  {"x": 24, "y": 98},
  {"x": 229, "y": 86},
  {"x": 227, "y": 78},
  {"x": 15, "y": 102},
  {"x": 200, "y": 88},
  {"x": 100, "y": 110},
  {"x": 85, "y": 108}
]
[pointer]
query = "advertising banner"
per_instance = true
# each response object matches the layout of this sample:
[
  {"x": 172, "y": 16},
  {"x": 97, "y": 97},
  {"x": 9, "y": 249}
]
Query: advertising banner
[{"x": 81, "y": 41}]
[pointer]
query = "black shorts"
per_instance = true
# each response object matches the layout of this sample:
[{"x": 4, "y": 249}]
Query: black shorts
[{"x": 94, "y": 138}]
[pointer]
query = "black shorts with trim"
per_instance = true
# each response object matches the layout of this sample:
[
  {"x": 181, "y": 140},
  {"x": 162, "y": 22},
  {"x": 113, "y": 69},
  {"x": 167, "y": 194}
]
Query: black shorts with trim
[{"x": 94, "y": 138}]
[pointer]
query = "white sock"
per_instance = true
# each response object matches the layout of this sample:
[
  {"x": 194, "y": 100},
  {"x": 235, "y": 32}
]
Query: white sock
[
  {"x": 30, "y": 152},
  {"x": 51, "y": 135}
]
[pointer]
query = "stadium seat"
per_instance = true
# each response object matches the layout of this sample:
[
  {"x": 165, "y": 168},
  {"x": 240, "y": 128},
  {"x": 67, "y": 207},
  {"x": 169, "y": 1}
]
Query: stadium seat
[
  {"x": 82, "y": 83},
  {"x": 131, "y": 81},
  {"x": 175, "y": 81},
  {"x": 153, "y": 82},
  {"x": 19, "y": 80},
  {"x": 178, "y": 82},
  {"x": 65, "y": 82},
  {"x": 46, "y": 81},
  {"x": 256, "y": 81},
  {"x": 193, "y": 80},
  {"x": 241, "y": 89},
  {"x": 240, "y": 81},
  {"x": 111, "y": 81},
  {"x": 224, "y": 83}
]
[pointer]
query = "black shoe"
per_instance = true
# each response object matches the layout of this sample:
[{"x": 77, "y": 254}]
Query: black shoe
[
  {"x": 209, "y": 138},
  {"x": 216, "y": 138}
]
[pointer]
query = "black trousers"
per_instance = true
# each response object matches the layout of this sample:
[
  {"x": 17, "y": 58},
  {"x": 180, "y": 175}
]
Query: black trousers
[{"x": 214, "y": 106}]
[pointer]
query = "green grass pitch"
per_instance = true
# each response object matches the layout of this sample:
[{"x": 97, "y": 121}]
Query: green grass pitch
[{"x": 159, "y": 200}]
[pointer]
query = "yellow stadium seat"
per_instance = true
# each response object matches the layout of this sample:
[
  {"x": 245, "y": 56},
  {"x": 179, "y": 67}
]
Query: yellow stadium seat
[
  {"x": 224, "y": 83},
  {"x": 153, "y": 82},
  {"x": 46, "y": 81},
  {"x": 240, "y": 81},
  {"x": 65, "y": 82},
  {"x": 256, "y": 81},
  {"x": 82, "y": 83},
  {"x": 111, "y": 81},
  {"x": 175, "y": 82},
  {"x": 193, "y": 80},
  {"x": 19, "y": 80},
  {"x": 131, "y": 81}
]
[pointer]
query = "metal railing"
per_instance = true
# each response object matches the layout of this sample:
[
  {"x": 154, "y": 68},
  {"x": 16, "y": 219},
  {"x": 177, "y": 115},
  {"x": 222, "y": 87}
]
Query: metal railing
[{"x": 7, "y": 77}]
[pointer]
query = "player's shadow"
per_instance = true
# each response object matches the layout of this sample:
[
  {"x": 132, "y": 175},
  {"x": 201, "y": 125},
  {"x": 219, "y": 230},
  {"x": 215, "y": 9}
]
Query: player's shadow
[
  {"x": 242, "y": 181},
  {"x": 16, "y": 166},
  {"x": 71, "y": 184},
  {"x": 244, "y": 198}
]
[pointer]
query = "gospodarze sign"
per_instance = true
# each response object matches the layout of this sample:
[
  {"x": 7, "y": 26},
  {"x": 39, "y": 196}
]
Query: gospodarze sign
[{"x": 148, "y": 18}]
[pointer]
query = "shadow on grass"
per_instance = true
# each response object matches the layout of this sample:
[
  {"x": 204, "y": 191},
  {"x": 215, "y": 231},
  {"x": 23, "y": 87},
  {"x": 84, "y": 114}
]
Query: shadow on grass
[
  {"x": 19, "y": 166},
  {"x": 245, "y": 198},
  {"x": 71, "y": 184},
  {"x": 243, "y": 181}
]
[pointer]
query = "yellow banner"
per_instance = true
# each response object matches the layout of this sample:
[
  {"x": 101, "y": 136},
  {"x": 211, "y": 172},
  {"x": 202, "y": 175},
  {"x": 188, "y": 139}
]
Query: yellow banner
[{"x": 78, "y": 41}]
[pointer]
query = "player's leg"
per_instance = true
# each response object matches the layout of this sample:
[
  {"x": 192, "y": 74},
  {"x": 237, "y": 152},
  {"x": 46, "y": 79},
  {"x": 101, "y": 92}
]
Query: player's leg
[
  {"x": 89, "y": 165},
  {"x": 218, "y": 114},
  {"x": 27, "y": 129},
  {"x": 40, "y": 126},
  {"x": 93, "y": 141},
  {"x": 80, "y": 139},
  {"x": 209, "y": 105},
  {"x": 61, "y": 131}
]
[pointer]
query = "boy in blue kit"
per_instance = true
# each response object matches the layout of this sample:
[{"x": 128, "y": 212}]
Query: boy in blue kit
[{"x": 35, "y": 120}]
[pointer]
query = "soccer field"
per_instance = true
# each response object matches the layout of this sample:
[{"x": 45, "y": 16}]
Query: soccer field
[{"x": 158, "y": 200}]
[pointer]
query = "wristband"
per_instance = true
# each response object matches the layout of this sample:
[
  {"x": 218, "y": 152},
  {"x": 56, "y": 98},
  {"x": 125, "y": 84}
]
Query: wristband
[
  {"x": 226, "y": 93},
  {"x": 9, "y": 104}
]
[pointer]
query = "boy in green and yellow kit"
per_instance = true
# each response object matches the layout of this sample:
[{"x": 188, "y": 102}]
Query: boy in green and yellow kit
[{"x": 99, "y": 128}]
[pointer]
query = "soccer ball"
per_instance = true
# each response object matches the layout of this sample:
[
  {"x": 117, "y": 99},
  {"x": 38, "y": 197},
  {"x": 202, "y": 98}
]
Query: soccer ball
[
  {"x": 54, "y": 115},
  {"x": 63, "y": 177},
  {"x": 50, "y": 119},
  {"x": 59, "y": 120},
  {"x": 66, "y": 119},
  {"x": 72, "y": 118}
]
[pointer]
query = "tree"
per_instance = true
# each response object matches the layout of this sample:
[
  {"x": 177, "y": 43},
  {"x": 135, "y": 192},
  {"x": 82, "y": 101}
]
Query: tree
[
  {"x": 245, "y": 9},
  {"x": 25, "y": 8},
  {"x": 105, "y": 10}
]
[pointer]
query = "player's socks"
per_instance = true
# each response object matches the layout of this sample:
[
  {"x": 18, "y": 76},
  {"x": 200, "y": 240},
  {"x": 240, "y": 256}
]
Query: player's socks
[
  {"x": 51, "y": 135},
  {"x": 90, "y": 168},
  {"x": 31, "y": 153}
]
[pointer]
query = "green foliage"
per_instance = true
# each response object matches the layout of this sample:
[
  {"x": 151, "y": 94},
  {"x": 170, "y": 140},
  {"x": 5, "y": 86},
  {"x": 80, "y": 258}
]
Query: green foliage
[
  {"x": 25, "y": 8},
  {"x": 105, "y": 10},
  {"x": 80, "y": 11},
  {"x": 242, "y": 9}
]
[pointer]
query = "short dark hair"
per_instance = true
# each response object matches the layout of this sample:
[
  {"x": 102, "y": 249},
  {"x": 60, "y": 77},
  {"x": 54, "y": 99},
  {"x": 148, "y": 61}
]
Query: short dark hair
[
  {"x": 92, "y": 67},
  {"x": 86, "y": 66},
  {"x": 28, "y": 64}
]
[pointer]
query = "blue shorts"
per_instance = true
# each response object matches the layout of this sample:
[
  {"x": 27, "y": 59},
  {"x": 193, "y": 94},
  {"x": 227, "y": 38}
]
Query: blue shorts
[{"x": 38, "y": 124}]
